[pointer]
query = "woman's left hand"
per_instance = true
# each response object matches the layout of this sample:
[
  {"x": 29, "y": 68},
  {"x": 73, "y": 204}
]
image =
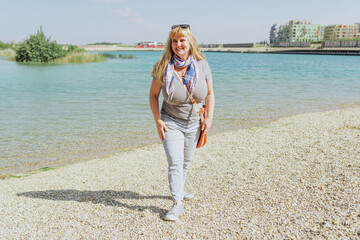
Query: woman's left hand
[
  {"x": 206, "y": 125},
  {"x": 209, "y": 102}
]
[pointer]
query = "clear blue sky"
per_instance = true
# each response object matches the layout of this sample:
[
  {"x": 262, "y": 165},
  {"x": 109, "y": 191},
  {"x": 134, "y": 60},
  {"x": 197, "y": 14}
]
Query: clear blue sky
[{"x": 126, "y": 21}]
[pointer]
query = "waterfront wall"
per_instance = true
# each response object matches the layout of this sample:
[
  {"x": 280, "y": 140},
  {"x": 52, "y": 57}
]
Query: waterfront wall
[
  {"x": 340, "y": 44},
  {"x": 292, "y": 44},
  {"x": 238, "y": 45},
  {"x": 209, "y": 45}
]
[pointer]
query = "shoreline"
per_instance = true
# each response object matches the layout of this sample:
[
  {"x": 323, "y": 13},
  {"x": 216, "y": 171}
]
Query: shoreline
[
  {"x": 296, "y": 177},
  {"x": 27, "y": 171}
]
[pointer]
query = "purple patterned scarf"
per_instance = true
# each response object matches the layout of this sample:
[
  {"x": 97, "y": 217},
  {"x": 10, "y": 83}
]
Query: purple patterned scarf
[{"x": 191, "y": 75}]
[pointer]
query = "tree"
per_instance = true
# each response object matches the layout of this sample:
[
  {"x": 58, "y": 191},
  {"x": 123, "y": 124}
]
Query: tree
[{"x": 38, "y": 48}]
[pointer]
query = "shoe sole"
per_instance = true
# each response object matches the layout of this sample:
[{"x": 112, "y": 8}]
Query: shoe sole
[
  {"x": 171, "y": 219},
  {"x": 188, "y": 198}
]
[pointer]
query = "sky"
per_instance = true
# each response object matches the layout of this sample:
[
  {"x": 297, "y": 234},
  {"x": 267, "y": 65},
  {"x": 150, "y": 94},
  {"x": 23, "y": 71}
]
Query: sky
[{"x": 226, "y": 21}]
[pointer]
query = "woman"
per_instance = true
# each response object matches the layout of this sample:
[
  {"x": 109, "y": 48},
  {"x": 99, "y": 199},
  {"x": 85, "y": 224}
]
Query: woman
[{"x": 178, "y": 123}]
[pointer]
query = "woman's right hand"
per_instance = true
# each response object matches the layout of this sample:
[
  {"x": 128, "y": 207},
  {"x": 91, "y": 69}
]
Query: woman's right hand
[
  {"x": 154, "y": 105},
  {"x": 161, "y": 128}
]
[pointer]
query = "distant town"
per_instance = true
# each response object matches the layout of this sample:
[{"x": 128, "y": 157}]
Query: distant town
[
  {"x": 305, "y": 31},
  {"x": 296, "y": 33}
]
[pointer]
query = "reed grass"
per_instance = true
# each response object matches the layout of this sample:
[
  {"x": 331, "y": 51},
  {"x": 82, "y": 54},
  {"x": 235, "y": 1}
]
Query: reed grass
[
  {"x": 124, "y": 56},
  {"x": 7, "y": 53},
  {"x": 109, "y": 55},
  {"x": 81, "y": 57}
]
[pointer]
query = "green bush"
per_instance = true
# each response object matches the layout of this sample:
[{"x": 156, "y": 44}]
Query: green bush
[{"x": 38, "y": 48}]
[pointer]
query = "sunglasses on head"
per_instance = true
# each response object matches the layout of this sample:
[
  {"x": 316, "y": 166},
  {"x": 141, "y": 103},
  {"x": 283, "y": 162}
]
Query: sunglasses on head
[{"x": 185, "y": 26}]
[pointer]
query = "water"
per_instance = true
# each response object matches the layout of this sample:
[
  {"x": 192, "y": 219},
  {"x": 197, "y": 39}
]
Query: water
[{"x": 56, "y": 114}]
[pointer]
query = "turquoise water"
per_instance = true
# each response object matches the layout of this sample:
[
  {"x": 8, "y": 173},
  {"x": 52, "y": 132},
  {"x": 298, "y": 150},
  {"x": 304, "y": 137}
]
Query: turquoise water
[{"x": 55, "y": 114}]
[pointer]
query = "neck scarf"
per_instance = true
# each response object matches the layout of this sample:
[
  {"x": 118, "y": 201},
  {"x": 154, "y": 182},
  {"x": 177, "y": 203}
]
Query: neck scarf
[{"x": 191, "y": 74}]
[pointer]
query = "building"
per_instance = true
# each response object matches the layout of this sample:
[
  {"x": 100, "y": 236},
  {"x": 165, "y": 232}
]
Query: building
[
  {"x": 283, "y": 33},
  {"x": 359, "y": 25},
  {"x": 274, "y": 30},
  {"x": 300, "y": 31},
  {"x": 149, "y": 45},
  {"x": 342, "y": 32},
  {"x": 358, "y": 35}
]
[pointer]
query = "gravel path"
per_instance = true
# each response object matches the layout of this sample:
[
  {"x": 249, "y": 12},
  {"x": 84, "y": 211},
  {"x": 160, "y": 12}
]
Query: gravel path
[{"x": 296, "y": 178}]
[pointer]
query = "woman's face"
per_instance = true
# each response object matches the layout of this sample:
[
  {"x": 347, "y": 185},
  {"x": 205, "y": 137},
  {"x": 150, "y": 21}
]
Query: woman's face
[{"x": 181, "y": 46}]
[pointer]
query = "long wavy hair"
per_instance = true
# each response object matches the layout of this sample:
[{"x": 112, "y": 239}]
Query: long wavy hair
[{"x": 161, "y": 64}]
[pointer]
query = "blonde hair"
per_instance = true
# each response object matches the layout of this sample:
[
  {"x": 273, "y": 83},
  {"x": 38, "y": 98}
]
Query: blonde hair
[{"x": 161, "y": 64}]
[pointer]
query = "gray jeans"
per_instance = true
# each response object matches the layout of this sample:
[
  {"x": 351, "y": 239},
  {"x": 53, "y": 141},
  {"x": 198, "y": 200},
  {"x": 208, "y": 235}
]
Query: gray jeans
[{"x": 179, "y": 144}]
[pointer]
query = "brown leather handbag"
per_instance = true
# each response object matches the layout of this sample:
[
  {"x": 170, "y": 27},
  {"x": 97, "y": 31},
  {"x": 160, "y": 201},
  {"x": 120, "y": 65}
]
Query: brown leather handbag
[{"x": 203, "y": 136}]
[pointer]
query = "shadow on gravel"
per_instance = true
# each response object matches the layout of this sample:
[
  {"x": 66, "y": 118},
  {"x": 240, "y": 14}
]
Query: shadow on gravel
[{"x": 107, "y": 198}]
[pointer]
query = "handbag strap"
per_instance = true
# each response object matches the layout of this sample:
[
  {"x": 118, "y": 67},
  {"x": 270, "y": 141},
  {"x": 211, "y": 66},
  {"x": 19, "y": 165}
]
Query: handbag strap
[{"x": 192, "y": 99}]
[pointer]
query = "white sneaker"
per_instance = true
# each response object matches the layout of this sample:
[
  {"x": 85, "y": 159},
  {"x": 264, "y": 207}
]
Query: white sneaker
[
  {"x": 174, "y": 212},
  {"x": 188, "y": 196}
]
